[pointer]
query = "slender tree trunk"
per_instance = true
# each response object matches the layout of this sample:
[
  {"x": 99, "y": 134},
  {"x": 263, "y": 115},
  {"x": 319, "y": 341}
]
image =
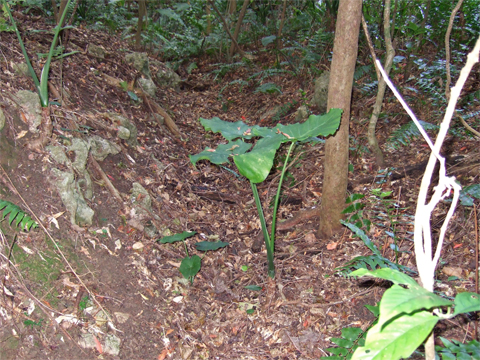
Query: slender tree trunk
[
  {"x": 335, "y": 179},
  {"x": 239, "y": 24},
  {"x": 280, "y": 28},
  {"x": 209, "y": 19},
  {"x": 142, "y": 12},
  {"x": 382, "y": 85},
  {"x": 225, "y": 25}
]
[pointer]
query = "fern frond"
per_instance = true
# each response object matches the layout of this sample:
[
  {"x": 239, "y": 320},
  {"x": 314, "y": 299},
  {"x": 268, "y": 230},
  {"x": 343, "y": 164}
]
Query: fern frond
[
  {"x": 17, "y": 214},
  {"x": 361, "y": 71},
  {"x": 405, "y": 134}
]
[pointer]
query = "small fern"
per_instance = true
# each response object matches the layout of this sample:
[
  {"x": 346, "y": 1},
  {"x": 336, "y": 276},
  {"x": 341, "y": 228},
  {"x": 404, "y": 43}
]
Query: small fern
[
  {"x": 456, "y": 350},
  {"x": 361, "y": 71},
  {"x": 17, "y": 214},
  {"x": 377, "y": 260},
  {"x": 405, "y": 134}
]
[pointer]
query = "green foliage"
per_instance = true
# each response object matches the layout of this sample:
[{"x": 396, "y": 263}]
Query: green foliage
[
  {"x": 21, "y": 218},
  {"x": 190, "y": 265},
  {"x": 456, "y": 350},
  {"x": 33, "y": 323},
  {"x": 268, "y": 88},
  {"x": 377, "y": 260},
  {"x": 468, "y": 193},
  {"x": 355, "y": 209},
  {"x": 257, "y": 163},
  {"x": 406, "y": 317},
  {"x": 405, "y": 134},
  {"x": 42, "y": 85}
]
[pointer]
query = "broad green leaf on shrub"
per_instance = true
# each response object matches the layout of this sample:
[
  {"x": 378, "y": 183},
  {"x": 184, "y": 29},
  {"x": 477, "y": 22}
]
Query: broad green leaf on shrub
[
  {"x": 190, "y": 266},
  {"x": 221, "y": 154},
  {"x": 177, "y": 237},
  {"x": 315, "y": 125},
  {"x": 210, "y": 245},
  {"x": 354, "y": 197},
  {"x": 229, "y": 130},
  {"x": 398, "y": 339},
  {"x": 398, "y": 300},
  {"x": 267, "y": 40},
  {"x": 466, "y": 302},
  {"x": 467, "y": 193},
  {"x": 394, "y": 276},
  {"x": 256, "y": 164}
]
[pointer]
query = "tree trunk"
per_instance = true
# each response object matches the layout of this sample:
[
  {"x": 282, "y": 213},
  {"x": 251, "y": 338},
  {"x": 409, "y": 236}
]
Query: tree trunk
[
  {"x": 142, "y": 12},
  {"x": 225, "y": 25},
  {"x": 382, "y": 85},
  {"x": 339, "y": 96},
  {"x": 280, "y": 28},
  {"x": 239, "y": 24}
]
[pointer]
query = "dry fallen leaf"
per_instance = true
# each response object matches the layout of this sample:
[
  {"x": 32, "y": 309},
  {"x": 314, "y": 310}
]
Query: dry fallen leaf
[
  {"x": 332, "y": 246},
  {"x": 452, "y": 271}
]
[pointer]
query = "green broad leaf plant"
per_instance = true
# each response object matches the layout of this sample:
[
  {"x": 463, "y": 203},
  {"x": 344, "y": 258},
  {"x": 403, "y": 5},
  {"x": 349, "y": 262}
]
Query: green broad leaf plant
[
  {"x": 408, "y": 313},
  {"x": 255, "y": 163},
  {"x": 190, "y": 265},
  {"x": 42, "y": 84}
]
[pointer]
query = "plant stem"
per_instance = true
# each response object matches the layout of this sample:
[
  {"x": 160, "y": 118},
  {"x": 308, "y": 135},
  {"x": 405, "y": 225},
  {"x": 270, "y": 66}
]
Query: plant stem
[
  {"x": 268, "y": 243},
  {"x": 185, "y": 246},
  {"x": 277, "y": 197}
]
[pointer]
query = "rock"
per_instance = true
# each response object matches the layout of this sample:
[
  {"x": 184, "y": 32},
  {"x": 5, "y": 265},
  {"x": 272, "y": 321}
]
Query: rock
[
  {"x": 57, "y": 154},
  {"x": 147, "y": 85},
  {"x": 123, "y": 125},
  {"x": 123, "y": 133},
  {"x": 80, "y": 213},
  {"x": 112, "y": 345},
  {"x": 101, "y": 148},
  {"x": 141, "y": 199},
  {"x": 97, "y": 51},
  {"x": 29, "y": 101},
  {"x": 140, "y": 62},
  {"x": 320, "y": 97},
  {"x": 168, "y": 78},
  {"x": 21, "y": 69},
  {"x": 301, "y": 114}
]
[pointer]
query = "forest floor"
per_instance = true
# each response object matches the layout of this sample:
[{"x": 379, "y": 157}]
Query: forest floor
[{"x": 134, "y": 282}]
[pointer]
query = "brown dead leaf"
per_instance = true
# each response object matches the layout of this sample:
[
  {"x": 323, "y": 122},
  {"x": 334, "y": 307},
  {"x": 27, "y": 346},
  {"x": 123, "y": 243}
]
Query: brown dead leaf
[
  {"x": 332, "y": 246},
  {"x": 452, "y": 271}
]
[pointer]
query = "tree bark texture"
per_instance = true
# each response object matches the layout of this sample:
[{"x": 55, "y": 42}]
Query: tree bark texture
[
  {"x": 142, "y": 12},
  {"x": 237, "y": 27},
  {"x": 335, "y": 179},
  {"x": 382, "y": 85}
]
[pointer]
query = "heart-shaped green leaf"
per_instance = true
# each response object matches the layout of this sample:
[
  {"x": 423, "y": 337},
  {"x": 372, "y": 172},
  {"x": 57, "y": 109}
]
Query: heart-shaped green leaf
[
  {"x": 256, "y": 164},
  {"x": 221, "y": 154},
  {"x": 176, "y": 237},
  {"x": 210, "y": 245},
  {"x": 190, "y": 266},
  {"x": 228, "y": 130},
  {"x": 315, "y": 125}
]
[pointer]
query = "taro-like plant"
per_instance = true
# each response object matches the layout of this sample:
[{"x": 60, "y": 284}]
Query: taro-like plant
[
  {"x": 256, "y": 163},
  {"x": 191, "y": 265},
  {"x": 42, "y": 84}
]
